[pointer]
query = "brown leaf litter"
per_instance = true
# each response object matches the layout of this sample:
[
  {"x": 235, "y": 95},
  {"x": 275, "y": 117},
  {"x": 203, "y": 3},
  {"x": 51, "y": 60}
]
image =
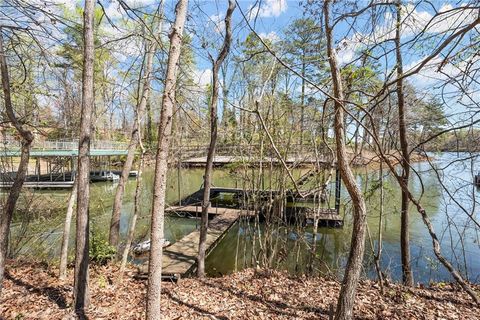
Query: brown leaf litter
[{"x": 33, "y": 291}]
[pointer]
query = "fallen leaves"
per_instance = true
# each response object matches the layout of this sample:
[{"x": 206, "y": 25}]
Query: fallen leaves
[{"x": 33, "y": 291}]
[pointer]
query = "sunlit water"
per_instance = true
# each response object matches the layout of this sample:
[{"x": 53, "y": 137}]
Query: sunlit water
[{"x": 38, "y": 233}]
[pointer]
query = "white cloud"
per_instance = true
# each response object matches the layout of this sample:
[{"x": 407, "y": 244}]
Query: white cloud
[
  {"x": 272, "y": 36},
  {"x": 437, "y": 70},
  {"x": 218, "y": 23},
  {"x": 416, "y": 21},
  {"x": 138, "y": 3},
  {"x": 69, "y": 4},
  {"x": 114, "y": 10},
  {"x": 345, "y": 56},
  {"x": 202, "y": 77},
  {"x": 268, "y": 8}
]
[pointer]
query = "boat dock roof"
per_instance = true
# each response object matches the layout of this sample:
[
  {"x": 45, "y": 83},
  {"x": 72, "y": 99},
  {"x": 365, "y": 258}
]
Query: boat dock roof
[{"x": 62, "y": 148}]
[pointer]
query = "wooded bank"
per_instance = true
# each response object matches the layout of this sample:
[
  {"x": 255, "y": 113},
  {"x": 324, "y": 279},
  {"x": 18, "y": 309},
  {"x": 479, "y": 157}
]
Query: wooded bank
[{"x": 33, "y": 291}]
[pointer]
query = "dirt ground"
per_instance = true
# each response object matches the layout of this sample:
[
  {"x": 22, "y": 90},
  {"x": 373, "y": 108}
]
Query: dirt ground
[{"x": 32, "y": 291}]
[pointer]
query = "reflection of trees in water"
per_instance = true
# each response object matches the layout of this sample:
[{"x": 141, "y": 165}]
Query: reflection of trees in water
[
  {"x": 293, "y": 254},
  {"x": 460, "y": 237}
]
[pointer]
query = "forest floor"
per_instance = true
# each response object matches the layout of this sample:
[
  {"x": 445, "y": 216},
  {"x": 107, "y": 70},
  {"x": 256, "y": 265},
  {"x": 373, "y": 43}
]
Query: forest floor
[{"x": 33, "y": 291}]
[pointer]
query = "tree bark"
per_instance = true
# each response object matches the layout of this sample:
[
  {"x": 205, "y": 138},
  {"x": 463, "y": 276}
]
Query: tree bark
[
  {"x": 66, "y": 232},
  {"x": 302, "y": 100},
  {"x": 160, "y": 179},
  {"x": 133, "y": 222},
  {"x": 357, "y": 246},
  {"x": 80, "y": 290},
  {"x": 132, "y": 147},
  {"x": 407, "y": 275},
  {"x": 213, "y": 140},
  {"x": 27, "y": 138}
]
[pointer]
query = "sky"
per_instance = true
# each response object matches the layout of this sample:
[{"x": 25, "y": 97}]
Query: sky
[{"x": 270, "y": 18}]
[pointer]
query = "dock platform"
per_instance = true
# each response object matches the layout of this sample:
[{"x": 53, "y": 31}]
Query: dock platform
[
  {"x": 220, "y": 161},
  {"x": 325, "y": 214},
  {"x": 179, "y": 259}
]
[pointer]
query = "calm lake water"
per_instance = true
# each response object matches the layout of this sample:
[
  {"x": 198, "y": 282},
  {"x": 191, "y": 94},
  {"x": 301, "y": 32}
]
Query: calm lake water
[{"x": 37, "y": 230}]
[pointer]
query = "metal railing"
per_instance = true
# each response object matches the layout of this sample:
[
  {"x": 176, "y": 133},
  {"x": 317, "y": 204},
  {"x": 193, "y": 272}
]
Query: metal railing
[{"x": 64, "y": 145}]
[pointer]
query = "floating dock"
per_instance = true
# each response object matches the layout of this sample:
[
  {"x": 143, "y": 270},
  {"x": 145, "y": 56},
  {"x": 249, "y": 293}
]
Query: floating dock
[{"x": 179, "y": 259}]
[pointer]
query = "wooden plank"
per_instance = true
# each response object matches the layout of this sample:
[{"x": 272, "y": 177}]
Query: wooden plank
[
  {"x": 211, "y": 210},
  {"x": 180, "y": 258},
  {"x": 325, "y": 214}
]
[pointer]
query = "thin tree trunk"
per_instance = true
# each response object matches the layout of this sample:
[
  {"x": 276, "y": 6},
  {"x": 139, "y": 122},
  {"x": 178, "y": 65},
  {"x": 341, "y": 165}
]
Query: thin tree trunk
[
  {"x": 357, "y": 246},
  {"x": 66, "y": 232},
  {"x": 302, "y": 102},
  {"x": 213, "y": 140},
  {"x": 6, "y": 214},
  {"x": 149, "y": 125},
  {"x": 435, "y": 242},
  {"x": 133, "y": 222},
  {"x": 160, "y": 181},
  {"x": 407, "y": 275},
  {"x": 80, "y": 290},
  {"x": 132, "y": 147},
  {"x": 426, "y": 220}
]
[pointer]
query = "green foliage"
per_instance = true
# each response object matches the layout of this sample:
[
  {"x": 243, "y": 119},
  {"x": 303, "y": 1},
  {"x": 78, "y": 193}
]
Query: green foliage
[
  {"x": 100, "y": 251},
  {"x": 72, "y": 50},
  {"x": 102, "y": 281},
  {"x": 432, "y": 117},
  {"x": 305, "y": 44}
]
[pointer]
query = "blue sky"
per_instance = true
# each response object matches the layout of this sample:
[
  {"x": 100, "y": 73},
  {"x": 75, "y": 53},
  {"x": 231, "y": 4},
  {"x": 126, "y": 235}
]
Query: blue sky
[{"x": 205, "y": 19}]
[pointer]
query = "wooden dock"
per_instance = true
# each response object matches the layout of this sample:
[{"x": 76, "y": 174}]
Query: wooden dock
[
  {"x": 325, "y": 214},
  {"x": 40, "y": 184},
  {"x": 219, "y": 161},
  {"x": 180, "y": 258}
]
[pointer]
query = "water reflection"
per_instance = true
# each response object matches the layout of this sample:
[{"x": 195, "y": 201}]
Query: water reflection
[{"x": 37, "y": 231}]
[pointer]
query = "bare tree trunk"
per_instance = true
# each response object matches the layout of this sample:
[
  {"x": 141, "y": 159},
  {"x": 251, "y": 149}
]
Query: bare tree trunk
[
  {"x": 161, "y": 165},
  {"x": 302, "y": 101},
  {"x": 426, "y": 220},
  {"x": 213, "y": 140},
  {"x": 80, "y": 290},
  {"x": 357, "y": 246},
  {"x": 407, "y": 275},
  {"x": 134, "y": 139},
  {"x": 149, "y": 125},
  {"x": 66, "y": 232},
  {"x": 133, "y": 222},
  {"x": 6, "y": 214},
  {"x": 435, "y": 242}
]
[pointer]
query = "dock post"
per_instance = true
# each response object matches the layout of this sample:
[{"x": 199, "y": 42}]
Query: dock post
[
  {"x": 38, "y": 169},
  {"x": 338, "y": 186}
]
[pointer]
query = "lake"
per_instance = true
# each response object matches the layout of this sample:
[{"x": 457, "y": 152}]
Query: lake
[{"x": 447, "y": 194}]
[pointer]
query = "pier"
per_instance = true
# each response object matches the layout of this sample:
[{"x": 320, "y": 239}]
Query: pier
[
  {"x": 55, "y": 162},
  {"x": 220, "y": 161},
  {"x": 179, "y": 259},
  {"x": 229, "y": 204}
]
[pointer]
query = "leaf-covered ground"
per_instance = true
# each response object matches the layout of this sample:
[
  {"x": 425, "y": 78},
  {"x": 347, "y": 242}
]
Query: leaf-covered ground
[{"x": 32, "y": 291}]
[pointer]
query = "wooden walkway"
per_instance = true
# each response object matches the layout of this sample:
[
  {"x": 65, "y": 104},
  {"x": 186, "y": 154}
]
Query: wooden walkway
[
  {"x": 180, "y": 258},
  {"x": 211, "y": 210},
  {"x": 219, "y": 161}
]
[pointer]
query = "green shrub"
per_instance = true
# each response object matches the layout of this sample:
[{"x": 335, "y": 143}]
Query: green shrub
[{"x": 100, "y": 251}]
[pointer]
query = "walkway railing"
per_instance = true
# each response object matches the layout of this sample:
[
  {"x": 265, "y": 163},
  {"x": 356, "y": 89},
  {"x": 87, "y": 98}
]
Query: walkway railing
[{"x": 12, "y": 144}]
